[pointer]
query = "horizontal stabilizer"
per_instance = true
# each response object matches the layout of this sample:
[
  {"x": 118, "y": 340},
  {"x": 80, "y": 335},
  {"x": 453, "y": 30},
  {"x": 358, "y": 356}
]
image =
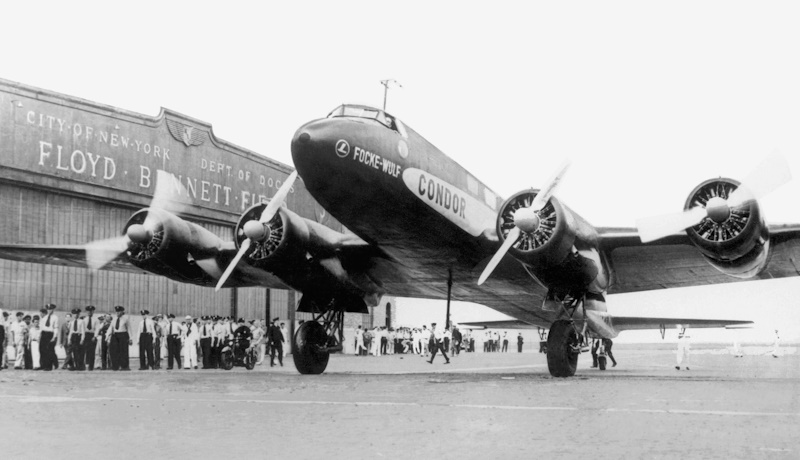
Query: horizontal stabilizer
[
  {"x": 626, "y": 323},
  {"x": 502, "y": 324}
]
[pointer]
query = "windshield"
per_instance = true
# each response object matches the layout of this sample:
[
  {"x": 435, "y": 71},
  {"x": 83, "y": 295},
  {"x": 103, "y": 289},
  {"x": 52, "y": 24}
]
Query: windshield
[{"x": 359, "y": 111}]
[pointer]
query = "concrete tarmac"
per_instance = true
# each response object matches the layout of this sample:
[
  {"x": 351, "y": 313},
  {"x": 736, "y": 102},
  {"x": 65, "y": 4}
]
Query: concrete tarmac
[{"x": 498, "y": 405}]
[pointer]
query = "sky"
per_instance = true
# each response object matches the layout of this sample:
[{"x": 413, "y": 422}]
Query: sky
[{"x": 646, "y": 99}]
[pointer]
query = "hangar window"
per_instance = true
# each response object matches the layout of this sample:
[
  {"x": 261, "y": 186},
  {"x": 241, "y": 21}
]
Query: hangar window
[{"x": 369, "y": 113}]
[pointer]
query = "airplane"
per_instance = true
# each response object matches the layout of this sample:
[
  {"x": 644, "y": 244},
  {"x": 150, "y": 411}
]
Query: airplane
[{"x": 420, "y": 225}]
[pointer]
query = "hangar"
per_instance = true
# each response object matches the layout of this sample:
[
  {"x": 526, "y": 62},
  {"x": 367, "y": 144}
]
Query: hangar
[{"x": 73, "y": 171}]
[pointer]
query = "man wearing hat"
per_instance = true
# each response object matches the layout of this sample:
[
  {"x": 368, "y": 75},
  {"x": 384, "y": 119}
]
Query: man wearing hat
[
  {"x": 190, "y": 337},
  {"x": 206, "y": 332},
  {"x": 217, "y": 341},
  {"x": 120, "y": 340},
  {"x": 90, "y": 325},
  {"x": 275, "y": 339},
  {"x": 104, "y": 337},
  {"x": 145, "y": 335},
  {"x": 77, "y": 334},
  {"x": 173, "y": 332},
  {"x": 47, "y": 343},
  {"x": 437, "y": 337},
  {"x": 158, "y": 340}
]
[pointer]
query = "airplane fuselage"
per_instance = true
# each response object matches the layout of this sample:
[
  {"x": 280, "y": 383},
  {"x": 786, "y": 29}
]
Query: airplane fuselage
[{"x": 396, "y": 190}]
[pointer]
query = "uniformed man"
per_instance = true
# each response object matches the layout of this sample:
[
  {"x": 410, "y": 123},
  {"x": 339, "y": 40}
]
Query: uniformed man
[
  {"x": 275, "y": 339},
  {"x": 158, "y": 338},
  {"x": 47, "y": 344},
  {"x": 206, "y": 334},
  {"x": 90, "y": 325},
  {"x": 145, "y": 335},
  {"x": 520, "y": 340},
  {"x": 457, "y": 338},
  {"x": 173, "y": 331},
  {"x": 120, "y": 340},
  {"x": 77, "y": 334},
  {"x": 190, "y": 337},
  {"x": 243, "y": 335},
  {"x": 104, "y": 336},
  {"x": 437, "y": 339},
  {"x": 4, "y": 343}
]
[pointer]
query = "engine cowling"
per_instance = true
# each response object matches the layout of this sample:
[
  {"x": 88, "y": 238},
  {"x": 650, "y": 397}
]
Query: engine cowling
[
  {"x": 284, "y": 245},
  {"x": 172, "y": 246},
  {"x": 737, "y": 242},
  {"x": 550, "y": 243}
]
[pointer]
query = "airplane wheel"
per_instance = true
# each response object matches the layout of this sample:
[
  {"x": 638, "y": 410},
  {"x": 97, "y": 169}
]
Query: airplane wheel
[
  {"x": 562, "y": 360},
  {"x": 308, "y": 359},
  {"x": 601, "y": 361},
  {"x": 226, "y": 360}
]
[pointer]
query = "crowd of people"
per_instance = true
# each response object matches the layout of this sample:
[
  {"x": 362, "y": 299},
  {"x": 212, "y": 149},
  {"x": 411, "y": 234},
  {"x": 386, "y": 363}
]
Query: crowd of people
[
  {"x": 102, "y": 341},
  {"x": 383, "y": 340}
]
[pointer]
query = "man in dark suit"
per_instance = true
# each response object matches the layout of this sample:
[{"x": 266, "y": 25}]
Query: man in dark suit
[{"x": 275, "y": 339}]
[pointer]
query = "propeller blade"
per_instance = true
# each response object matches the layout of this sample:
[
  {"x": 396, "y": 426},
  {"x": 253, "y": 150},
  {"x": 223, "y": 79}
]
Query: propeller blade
[
  {"x": 764, "y": 179},
  {"x": 657, "y": 227},
  {"x": 547, "y": 192},
  {"x": 269, "y": 212},
  {"x": 278, "y": 199},
  {"x": 169, "y": 195},
  {"x": 232, "y": 265},
  {"x": 512, "y": 237},
  {"x": 99, "y": 253}
]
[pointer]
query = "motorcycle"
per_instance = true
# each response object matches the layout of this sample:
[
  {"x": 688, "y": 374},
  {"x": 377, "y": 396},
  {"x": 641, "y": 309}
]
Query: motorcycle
[{"x": 238, "y": 352}]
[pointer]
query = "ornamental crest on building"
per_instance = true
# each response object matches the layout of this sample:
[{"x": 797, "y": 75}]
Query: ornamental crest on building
[{"x": 189, "y": 135}]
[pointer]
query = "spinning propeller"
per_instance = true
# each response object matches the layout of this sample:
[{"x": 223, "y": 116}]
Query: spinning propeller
[
  {"x": 765, "y": 178},
  {"x": 259, "y": 230},
  {"x": 169, "y": 195},
  {"x": 526, "y": 219}
]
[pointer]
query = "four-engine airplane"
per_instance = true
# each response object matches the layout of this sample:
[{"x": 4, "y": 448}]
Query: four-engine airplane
[{"x": 422, "y": 226}]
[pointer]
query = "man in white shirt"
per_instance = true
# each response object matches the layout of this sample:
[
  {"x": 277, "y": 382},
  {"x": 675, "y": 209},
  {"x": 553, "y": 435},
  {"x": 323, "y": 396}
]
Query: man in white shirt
[
  {"x": 438, "y": 345},
  {"x": 145, "y": 335},
  {"x": 285, "y": 333},
  {"x": 190, "y": 338},
  {"x": 173, "y": 331}
]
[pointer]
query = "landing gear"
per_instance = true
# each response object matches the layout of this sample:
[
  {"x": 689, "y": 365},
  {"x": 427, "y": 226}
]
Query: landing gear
[
  {"x": 315, "y": 340},
  {"x": 563, "y": 347}
]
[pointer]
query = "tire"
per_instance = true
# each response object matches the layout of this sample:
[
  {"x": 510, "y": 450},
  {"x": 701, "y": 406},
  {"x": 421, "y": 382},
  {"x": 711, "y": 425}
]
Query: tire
[
  {"x": 308, "y": 359},
  {"x": 601, "y": 361},
  {"x": 250, "y": 360},
  {"x": 562, "y": 361},
  {"x": 226, "y": 360}
]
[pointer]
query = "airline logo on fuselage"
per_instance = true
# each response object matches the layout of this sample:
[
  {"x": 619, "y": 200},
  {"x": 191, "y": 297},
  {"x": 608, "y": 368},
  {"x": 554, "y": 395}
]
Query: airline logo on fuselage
[{"x": 472, "y": 215}]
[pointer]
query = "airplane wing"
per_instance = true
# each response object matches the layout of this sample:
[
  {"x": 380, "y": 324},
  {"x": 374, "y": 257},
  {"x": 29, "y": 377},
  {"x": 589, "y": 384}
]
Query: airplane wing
[
  {"x": 63, "y": 255},
  {"x": 674, "y": 262}
]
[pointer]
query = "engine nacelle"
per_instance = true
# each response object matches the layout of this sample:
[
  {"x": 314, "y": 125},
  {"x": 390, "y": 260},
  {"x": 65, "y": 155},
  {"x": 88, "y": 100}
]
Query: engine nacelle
[
  {"x": 737, "y": 245},
  {"x": 172, "y": 247},
  {"x": 285, "y": 244},
  {"x": 550, "y": 243}
]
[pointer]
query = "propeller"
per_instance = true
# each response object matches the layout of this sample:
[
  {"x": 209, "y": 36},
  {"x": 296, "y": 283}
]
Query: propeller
[
  {"x": 258, "y": 230},
  {"x": 526, "y": 220},
  {"x": 770, "y": 174},
  {"x": 169, "y": 195}
]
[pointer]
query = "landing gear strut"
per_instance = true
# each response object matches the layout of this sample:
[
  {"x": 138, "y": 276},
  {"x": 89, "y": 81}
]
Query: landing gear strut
[
  {"x": 563, "y": 347},
  {"x": 316, "y": 339}
]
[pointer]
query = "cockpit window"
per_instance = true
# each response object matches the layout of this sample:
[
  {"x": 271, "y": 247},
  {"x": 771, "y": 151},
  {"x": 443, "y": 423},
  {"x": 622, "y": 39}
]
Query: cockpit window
[{"x": 369, "y": 113}]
